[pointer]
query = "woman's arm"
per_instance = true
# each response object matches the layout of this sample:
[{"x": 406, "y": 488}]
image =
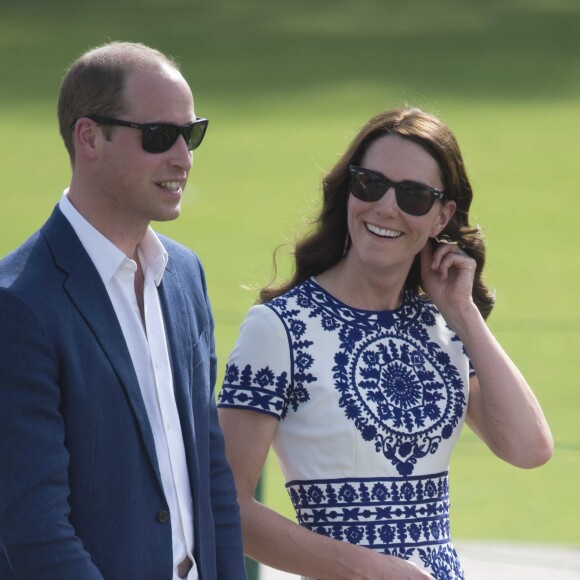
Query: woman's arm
[
  {"x": 277, "y": 541},
  {"x": 502, "y": 408}
]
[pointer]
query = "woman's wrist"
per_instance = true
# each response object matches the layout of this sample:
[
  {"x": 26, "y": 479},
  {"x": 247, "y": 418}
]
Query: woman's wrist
[{"x": 465, "y": 319}]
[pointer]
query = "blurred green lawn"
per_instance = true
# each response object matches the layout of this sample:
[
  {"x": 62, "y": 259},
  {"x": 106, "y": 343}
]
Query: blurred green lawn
[{"x": 286, "y": 84}]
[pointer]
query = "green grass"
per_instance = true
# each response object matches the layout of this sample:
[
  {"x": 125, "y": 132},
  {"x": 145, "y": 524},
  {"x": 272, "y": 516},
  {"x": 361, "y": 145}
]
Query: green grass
[{"x": 286, "y": 84}]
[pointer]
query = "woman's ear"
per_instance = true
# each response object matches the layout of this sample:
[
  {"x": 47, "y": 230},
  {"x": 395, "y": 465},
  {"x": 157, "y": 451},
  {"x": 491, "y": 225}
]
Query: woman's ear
[{"x": 443, "y": 217}]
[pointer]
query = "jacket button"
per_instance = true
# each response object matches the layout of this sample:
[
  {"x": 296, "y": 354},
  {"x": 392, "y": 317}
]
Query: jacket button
[{"x": 163, "y": 517}]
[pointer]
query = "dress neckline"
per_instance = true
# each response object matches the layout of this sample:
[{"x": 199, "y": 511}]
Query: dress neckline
[{"x": 406, "y": 300}]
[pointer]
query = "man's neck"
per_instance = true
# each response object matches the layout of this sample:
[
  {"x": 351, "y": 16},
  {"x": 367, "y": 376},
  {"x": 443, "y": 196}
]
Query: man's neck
[{"x": 125, "y": 233}]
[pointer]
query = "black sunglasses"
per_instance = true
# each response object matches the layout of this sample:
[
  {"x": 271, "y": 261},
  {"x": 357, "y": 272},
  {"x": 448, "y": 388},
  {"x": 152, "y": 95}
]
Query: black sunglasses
[
  {"x": 160, "y": 137},
  {"x": 412, "y": 197}
]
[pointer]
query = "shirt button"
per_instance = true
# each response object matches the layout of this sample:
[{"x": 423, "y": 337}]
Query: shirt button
[{"x": 163, "y": 517}]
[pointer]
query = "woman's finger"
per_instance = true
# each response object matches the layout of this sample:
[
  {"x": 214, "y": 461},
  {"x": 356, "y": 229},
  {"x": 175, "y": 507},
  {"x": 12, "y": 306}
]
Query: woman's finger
[{"x": 444, "y": 249}]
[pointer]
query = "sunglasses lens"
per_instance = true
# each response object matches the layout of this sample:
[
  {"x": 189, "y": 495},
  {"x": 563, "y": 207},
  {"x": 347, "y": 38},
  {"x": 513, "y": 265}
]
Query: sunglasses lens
[
  {"x": 414, "y": 199},
  {"x": 365, "y": 188},
  {"x": 195, "y": 134},
  {"x": 160, "y": 137}
]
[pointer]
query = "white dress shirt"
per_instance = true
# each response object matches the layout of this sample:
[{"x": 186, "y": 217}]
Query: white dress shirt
[{"x": 148, "y": 348}]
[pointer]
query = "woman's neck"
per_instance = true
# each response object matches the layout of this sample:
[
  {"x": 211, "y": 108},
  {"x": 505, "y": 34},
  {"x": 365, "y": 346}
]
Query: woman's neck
[{"x": 362, "y": 289}]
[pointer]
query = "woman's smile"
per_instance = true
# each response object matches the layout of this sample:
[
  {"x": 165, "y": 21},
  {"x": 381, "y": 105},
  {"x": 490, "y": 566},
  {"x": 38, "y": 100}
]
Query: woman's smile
[{"x": 382, "y": 232}]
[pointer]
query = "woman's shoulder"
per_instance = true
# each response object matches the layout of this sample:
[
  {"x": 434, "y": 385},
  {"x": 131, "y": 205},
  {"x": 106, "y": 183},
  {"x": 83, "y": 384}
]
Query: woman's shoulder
[
  {"x": 291, "y": 300},
  {"x": 307, "y": 286}
]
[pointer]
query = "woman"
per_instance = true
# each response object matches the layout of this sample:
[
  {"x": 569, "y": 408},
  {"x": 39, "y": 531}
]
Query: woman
[{"x": 363, "y": 367}]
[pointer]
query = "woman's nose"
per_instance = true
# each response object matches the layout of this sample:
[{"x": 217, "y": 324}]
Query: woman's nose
[{"x": 387, "y": 203}]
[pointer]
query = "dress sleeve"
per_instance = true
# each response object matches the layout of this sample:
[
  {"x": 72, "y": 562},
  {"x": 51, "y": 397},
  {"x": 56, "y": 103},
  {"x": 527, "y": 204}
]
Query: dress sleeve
[{"x": 258, "y": 372}]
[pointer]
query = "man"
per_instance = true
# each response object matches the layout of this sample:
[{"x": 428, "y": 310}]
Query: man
[{"x": 111, "y": 458}]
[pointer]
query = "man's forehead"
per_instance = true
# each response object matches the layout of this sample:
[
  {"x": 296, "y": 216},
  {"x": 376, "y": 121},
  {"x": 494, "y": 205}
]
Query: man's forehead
[{"x": 162, "y": 92}]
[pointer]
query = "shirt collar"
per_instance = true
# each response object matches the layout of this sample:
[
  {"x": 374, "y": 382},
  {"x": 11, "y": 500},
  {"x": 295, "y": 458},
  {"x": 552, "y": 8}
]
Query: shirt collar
[
  {"x": 106, "y": 257},
  {"x": 153, "y": 256}
]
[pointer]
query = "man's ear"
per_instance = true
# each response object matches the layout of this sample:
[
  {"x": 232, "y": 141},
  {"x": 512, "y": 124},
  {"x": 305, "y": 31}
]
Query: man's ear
[
  {"x": 445, "y": 214},
  {"x": 85, "y": 138}
]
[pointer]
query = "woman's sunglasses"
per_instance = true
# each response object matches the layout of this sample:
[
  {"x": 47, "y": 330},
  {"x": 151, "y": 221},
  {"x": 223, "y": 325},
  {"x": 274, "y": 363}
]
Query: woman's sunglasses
[
  {"x": 160, "y": 137},
  {"x": 412, "y": 197}
]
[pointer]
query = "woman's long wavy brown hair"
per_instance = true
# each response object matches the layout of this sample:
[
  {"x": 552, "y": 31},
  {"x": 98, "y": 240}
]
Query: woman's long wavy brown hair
[{"x": 325, "y": 246}]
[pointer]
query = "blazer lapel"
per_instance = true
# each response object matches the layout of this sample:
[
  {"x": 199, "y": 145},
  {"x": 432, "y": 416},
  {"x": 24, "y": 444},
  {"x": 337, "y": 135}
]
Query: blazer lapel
[
  {"x": 179, "y": 340},
  {"x": 84, "y": 281}
]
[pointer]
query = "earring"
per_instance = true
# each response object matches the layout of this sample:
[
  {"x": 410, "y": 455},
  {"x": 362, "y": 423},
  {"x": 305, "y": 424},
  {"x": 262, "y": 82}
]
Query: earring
[{"x": 346, "y": 245}]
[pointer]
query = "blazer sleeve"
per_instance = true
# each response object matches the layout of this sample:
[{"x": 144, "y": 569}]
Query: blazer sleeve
[
  {"x": 36, "y": 535},
  {"x": 229, "y": 548}
]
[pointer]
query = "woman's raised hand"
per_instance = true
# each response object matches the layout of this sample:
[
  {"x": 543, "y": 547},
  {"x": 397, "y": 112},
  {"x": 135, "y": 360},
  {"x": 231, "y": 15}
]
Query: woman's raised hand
[{"x": 447, "y": 275}]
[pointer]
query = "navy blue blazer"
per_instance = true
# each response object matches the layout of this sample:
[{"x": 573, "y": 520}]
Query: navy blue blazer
[{"x": 80, "y": 489}]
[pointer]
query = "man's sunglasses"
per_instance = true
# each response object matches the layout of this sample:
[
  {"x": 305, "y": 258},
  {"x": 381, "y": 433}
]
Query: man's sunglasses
[
  {"x": 412, "y": 197},
  {"x": 160, "y": 137}
]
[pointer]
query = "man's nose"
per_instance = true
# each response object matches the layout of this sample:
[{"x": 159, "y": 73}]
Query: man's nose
[{"x": 180, "y": 154}]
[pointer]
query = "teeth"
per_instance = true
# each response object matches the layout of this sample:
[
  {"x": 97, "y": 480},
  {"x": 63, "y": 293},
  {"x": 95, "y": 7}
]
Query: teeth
[
  {"x": 383, "y": 232},
  {"x": 171, "y": 185}
]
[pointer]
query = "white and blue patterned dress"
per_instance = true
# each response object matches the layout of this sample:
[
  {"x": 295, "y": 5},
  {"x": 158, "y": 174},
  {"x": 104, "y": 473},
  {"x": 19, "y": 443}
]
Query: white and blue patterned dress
[{"x": 370, "y": 406}]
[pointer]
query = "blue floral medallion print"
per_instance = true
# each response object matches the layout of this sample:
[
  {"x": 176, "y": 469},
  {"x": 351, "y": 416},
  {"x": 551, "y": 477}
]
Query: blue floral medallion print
[
  {"x": 397, "y": 385},
  {"x": 403, "y": 396}
]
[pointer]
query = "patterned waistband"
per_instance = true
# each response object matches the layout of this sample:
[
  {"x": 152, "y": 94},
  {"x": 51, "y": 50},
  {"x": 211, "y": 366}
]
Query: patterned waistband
[{"x": 384, "y": 514}]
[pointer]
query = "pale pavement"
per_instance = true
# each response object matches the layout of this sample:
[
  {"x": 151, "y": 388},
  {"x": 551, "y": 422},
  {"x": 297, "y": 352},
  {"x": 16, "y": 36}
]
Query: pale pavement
[{"x": 499, "y": 561}]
